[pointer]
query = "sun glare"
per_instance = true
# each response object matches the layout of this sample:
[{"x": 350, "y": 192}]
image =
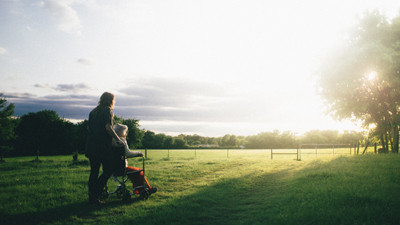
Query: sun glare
[{"x": 371, "y": 76}]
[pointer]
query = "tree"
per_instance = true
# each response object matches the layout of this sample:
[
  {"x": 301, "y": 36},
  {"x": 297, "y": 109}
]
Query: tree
[
  {"x": 135, "y": 134},
  {"x": 361, "y": 79},
  {"x": 148, "y": 139},
  {"x": 180, "y": 143},
  {"x": 45, "y": 133},
  {"x": 168, "y": 142},
  {"x": 81, "y": 130},
  {"x": 7, "y": 125},
  {"x": 229, "y": 141},
  {"x": 159, "y": 141}
]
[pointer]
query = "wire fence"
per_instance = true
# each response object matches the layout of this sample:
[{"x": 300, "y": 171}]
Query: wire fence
[{"x": 304, "y": 150}]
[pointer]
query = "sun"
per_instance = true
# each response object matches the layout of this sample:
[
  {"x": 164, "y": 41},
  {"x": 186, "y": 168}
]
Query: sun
[{"x": 371, "y": 75}]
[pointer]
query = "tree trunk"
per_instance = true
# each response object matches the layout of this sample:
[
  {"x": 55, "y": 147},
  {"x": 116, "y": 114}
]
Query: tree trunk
[
  {"x": 386, "y": 142},
  {"x": 366, "y": 146},
  {"x": 390, "y": 139},
  {"x": 383, "y": 142},
  {"x": 395, "y": 142}
]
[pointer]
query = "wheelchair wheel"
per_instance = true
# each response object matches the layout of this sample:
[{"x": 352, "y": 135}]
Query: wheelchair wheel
[
  {"x": 120, "y": 192},
  {"x": 144, "y": 194},
  {"x": 126, "y": 195}
]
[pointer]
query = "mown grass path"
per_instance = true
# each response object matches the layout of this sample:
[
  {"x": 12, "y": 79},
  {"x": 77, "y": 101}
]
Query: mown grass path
[{"x": 209, "y": 190}]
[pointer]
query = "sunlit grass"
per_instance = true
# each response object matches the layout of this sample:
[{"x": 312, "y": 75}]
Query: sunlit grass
[{"x": 211, "y": 187}]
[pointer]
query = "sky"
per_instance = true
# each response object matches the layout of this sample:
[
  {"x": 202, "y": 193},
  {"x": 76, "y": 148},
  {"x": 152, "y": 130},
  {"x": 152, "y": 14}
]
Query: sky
[{"x": 178, "y": 66}]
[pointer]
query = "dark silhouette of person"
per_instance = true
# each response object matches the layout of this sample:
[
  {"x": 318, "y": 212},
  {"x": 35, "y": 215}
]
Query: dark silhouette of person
[{"x": 98, "y": 145}]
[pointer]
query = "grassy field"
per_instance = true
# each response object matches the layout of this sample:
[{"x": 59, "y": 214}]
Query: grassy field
[{"x": 211, "y": 187}]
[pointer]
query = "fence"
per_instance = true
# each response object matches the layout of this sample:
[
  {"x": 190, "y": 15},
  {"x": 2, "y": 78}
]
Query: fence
[
  {"x": 286, "y": 152},
  {"x": 303, "y": 149},
  {"x": 324, "y": 148}
]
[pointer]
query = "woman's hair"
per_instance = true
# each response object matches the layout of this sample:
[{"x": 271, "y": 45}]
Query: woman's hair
[{"x": 106, "y": 100}]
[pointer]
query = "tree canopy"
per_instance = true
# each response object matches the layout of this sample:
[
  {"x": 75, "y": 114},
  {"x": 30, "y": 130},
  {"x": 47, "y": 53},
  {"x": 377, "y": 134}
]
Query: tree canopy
[
  {"x": 6, "y": 125},
  {"x": 361, "y": 78}
]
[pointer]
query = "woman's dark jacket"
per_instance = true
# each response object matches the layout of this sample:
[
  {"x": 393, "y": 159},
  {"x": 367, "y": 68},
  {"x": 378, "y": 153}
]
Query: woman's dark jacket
[{"x": 98, "y": 143}]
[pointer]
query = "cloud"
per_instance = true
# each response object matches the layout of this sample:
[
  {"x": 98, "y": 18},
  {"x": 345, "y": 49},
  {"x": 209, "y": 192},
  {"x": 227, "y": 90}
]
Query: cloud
[
  {"x": 3, "y": 51},
  {"x": 85, "y": 61},
  {"x": 72, "y": 88},
  {"x": 173, "y": 99},
  {"x": 178, "y": 92},
  {"x": 66, "y": 16},
  {"x": 190, "y": 100},
  {"x": 42, "y": 86},
  {"x": 215, "y": 113},
  {"x": 67, "y": 106},
  {"x": 78, "y": 107}
]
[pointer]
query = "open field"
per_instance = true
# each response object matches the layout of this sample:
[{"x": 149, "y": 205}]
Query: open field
[{"x": 211, "y": 187}]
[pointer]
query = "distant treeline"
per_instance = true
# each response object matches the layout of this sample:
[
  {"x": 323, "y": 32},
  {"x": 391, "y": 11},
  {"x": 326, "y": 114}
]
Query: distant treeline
[{"x": 45, "y": 133}]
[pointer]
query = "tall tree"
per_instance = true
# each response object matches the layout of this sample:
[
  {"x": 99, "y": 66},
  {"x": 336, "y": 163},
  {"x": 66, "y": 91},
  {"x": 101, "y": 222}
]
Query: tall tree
[
  {"x": 81, "y": 130},
  {"x": 135, "y": 134},
  {"x": 361, "y": 79},
  {"x": 7, "y": 125},
  {"x": 148, "y": 139},
  {"x": 46, "y": 133}
]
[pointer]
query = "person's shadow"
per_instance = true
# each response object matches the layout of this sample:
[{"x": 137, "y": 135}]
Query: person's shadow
[{"x": 81, "y": 210}]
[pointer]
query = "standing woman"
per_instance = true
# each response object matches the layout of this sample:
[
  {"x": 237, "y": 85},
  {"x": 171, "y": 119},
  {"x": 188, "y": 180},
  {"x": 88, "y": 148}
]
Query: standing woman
[{"x": 98, "y": 145}]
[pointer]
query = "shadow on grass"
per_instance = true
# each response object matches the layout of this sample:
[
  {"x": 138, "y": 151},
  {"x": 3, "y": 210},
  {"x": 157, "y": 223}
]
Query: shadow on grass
[
  {"x": 342, "y": 191},
  {"x": 82, "y": 211}
]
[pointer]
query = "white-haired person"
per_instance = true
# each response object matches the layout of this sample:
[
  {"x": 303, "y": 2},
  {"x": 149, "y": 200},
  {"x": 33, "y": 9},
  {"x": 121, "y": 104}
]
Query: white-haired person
[{"x": 121, "y": 130}]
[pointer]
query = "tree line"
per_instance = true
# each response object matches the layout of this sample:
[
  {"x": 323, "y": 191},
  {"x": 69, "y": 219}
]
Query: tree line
[{"x": 46, "y": 133}]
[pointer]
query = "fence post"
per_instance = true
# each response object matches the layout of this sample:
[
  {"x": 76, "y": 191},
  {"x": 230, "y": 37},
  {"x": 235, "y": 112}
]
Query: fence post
[
  {"x": 375, "y": 148},
  {"x": 316, "y": 150},
  {"x": 145, "y": 153},
  {"x": 298, "y": 159},
  {"x": 271, "y": 154},
  {"x": 350, "y": 148}
]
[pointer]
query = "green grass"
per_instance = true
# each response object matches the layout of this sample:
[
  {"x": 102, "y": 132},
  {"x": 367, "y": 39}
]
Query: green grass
[{"x": 211, "y": 187}]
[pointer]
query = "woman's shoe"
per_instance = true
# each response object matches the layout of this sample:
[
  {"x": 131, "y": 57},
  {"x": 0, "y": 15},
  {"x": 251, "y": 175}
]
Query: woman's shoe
[{"x": 152, "y": 190}]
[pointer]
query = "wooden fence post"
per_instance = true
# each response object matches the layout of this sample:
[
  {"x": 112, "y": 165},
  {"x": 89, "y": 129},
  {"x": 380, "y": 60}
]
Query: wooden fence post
[
  {"x": 298, "y": 155},
  {"x": 316, "y": 150}
]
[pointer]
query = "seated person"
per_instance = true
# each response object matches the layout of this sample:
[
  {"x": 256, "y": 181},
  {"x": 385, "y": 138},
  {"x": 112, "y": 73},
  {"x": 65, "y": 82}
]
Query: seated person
[{"x": 121, "y": 131}]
